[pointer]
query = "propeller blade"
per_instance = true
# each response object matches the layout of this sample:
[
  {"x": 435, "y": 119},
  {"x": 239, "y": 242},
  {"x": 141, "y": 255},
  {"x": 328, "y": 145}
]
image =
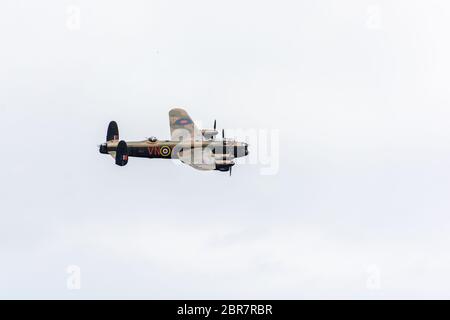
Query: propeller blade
[
  {"x": 215, "y": 124},
  {"x": 230, "y": 171},
  {"x": 224, "y": 148}
]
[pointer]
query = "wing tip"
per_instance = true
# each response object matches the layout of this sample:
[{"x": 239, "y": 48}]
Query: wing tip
[{"x": 177, "y": 110}]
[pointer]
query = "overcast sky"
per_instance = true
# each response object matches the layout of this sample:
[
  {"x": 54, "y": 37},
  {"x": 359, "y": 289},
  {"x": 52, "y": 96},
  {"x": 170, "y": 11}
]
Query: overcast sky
[{"x": 356, "y": 92}]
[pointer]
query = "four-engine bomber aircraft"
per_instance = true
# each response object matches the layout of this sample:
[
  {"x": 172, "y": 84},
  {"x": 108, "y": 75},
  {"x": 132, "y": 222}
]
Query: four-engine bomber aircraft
[{"x": 197, "y": 148}]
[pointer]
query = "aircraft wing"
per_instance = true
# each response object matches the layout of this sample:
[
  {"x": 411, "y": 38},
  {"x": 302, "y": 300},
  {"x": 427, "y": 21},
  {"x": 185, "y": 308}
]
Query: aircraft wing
[
  {"x": 204, "y": 159},
  {"x": 182, "y": 127},
  {"x": 198, "y": 158}
]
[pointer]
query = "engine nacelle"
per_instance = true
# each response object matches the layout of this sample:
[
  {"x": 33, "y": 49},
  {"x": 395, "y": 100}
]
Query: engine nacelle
[
  {"x": 209, "y": 134},
  {"x": 223, "y": 156}
]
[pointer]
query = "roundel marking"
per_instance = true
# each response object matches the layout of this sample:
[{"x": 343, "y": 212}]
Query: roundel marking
[
  {"x": 183, "y": 121},
  {"x": 165, "y": 151}
]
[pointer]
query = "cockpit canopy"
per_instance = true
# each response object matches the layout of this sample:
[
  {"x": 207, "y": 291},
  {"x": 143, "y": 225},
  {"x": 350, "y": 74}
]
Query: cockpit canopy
[{"x": 152, "y": 139}]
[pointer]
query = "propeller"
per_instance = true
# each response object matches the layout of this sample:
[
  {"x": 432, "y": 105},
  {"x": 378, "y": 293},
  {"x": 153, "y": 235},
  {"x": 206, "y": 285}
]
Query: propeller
[
  {"x": 215, "y": 126},
  {"x": 224, "y": 148}
]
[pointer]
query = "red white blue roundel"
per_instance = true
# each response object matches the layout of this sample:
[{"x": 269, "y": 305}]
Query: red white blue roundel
[{"x": 183, "y": 121}]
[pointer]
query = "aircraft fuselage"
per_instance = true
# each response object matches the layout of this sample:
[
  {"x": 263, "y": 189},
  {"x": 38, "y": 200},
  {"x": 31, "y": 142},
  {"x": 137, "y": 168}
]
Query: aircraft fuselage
[{"x": 167, "y": 149}]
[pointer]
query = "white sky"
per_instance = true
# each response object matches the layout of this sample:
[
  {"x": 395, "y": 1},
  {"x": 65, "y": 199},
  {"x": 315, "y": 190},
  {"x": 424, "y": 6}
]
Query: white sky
[{"x": 357, "y": 89}]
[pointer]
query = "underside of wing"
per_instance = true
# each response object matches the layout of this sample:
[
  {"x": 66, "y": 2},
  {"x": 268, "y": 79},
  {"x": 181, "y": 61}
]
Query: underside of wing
[
  {"x": 182, "y": 127},
  {"x": 198, "y": 158}
]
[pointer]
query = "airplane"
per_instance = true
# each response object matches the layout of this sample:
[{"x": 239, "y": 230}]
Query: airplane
[{"x": 196, "y": 148}]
